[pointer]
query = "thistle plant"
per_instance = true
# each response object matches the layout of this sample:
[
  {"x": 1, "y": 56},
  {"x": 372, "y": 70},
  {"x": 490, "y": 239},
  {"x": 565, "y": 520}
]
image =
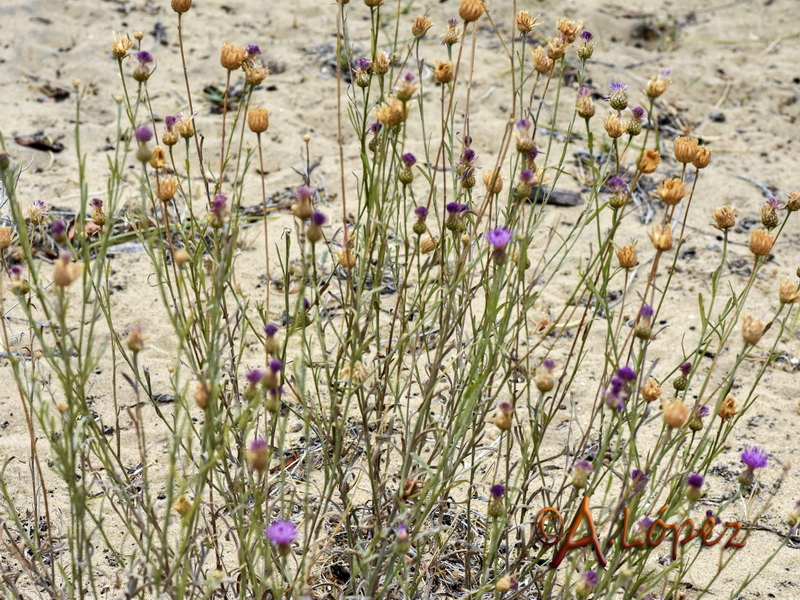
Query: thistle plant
[{"x": 433, "y": 357}]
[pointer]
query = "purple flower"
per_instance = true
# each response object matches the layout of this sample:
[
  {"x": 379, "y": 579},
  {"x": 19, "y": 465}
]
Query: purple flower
[
  {"x": 665, "y": 72},
  {"x": 144, "y": 57},
  {"x": 452, "y": 21},
  {"x": 96, "y": 203},
  {"x": 319, "y": 219},
  {"x": 638, "y": 113},
  {"x": 526, "y": 176},
  {"x": 58, "y": 228},
  {"x": 499, "y": 238},
  {"x": 617, "y": 86},
  {"x": 304, "y": 192},
  {"x": 773, "y": 203},
  {"x": 694, "y": 480},
  {"x": 409, "y": 77},
  {"x": 275, "y": 365},
  {"x": 685, "y": 368},
  {"x": 754, "y": 458},
  {"x": 590, "y": 578},
  {"x": 281, "y": 532},
  {"x": 626, "y": 373},
  {"x": 421, "y": 212},
  {"x": 533, "y": 153},
  {"x": 617, "y": 185},
  {"x": 252, "y": 49},
  {"x": 270, "y": 329},
  {"x": 549, "y": 364},
  {"x": 16, "y": 271},
  {"x": 409, "y": 160},
  {"x": 463, "y": 208},
  {"x": 583, "y": 465},
  {"x": 702, "y": 411},
  {"x": 453, "y": 208},
  {"x": 171, "y": 120},
  {"x": 40, "y": 206},
  {"x": 646, "y": 312},
  {"x": 375, "y": 127},
  {"x": 468, "y": 155},
  {"x": 497, "y": 491},
  {"x": 710, "y": 513},
  {"x": 219, "y": 203},
  {"x": 643, "y": 524},
  {"x": 523, "y": 124},
  {"x": 143, "y": 134},
  {"x": 362, "y": 64},
  {"x": 259, "y": 445},
  {"x": 255, "y": 376},
  {"x": 639, "y": 480},
  {"x": 587, "y": 36}
]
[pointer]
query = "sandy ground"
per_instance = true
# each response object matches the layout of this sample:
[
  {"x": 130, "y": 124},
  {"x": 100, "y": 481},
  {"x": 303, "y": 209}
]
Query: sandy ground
[{"x": 736, "y": 86}]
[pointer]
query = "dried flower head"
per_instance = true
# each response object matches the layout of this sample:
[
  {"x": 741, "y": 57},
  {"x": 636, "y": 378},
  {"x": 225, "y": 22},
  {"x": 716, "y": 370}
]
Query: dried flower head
[
  {"x": 580, "y": 473},
  {"x": 651, "y": 391},
  {"x": 671, "y": 191},
  {"x": 421, "y": 26},
  {"x": 232, "y": 56},
  {"x": 120, "y": 45},
  {"x": 626, "y": 255},
  {"x": 658, "y": 84},
  {"x": 675, "y": 413},
  {"x": 556, "y": 47},
  {"x": 5, "y": 237},
  {"x": 792, "y": 201},
  {"x": 392, "y": 112},
  {"x": 471, "y": 10},
  {"x": 789, "y": 292},
  {"x": 649, "y": 161},
  {"x": 541, "y": 62},
  {"x": 452, "y": 32},
  {"x": 65, "y": 272},
  {"x": 182, "y": 505},
  {"x": 661, "y": 236},
  {"x": 753, "y": 329},
  {"x": 493, "y": 181},
  {"x": 427, "y": 245},
  {"x": 702, "y": 158},
  {"x": 258, "y": 454},
  {"x": 569, "y": 29},
  {"x": 761, "y": 242},
  {"x": 584, "y": 104},
  {"x": 727, "y": 410},
  {"x": 685, "y": 149},
  {"x": 381, "y": 64},
  {"x": 135, "y": 340},
  {"x": 443, "y": 71},
  {"x": 181, "y": 6},
  {"x": 255, "y": 72},
  {"x": 614, "y": 126},
  {"x": 406, "y": 87},
  {"x": 258, "y": 120},
  {"x": 724, "y": 216},
  {"x": 166, "y": 188},
  {"x": 526, "y": 22},
  {"x": 38, "y": 212}
]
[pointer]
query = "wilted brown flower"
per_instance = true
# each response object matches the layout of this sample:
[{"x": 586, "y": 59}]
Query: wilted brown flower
[
  {"x": 346, "y": 258},
  {"x": 65, "y": 272},
  {"x": 789, "y": 293},
  {"x": 661, "y": 236},
  {"x": 452, "y": 32},
  {"x": 5, "y": 237},
  {"x": 526, "y": 22},
  {"x": 626, "y": 255},
  {"x": 443, "y": 71},
  {"x": 675, "y": 413},
  {"x": 158, "y": 159},
  {"x": 793, "y": 202},
  {"x": 120, "y": 45},
  {"x": 761, "y": 242},
  {"x": 569, "y": 29},
  {"x": 556, "y": 47},
  {"x": 471, "y": 10},
  {"x": 255, "y": 74},
  {"x": 649, "y": 161},
  {"x": 724, "y": 216},
  {"x": 613, "y": 126},
  {"x": 421, "y": 26},
  {"x": 727, "y": 409},
  {"x": 380, "y": 66},
  {"x": 753, "y": 329},
  {"x": 671, "y": 191},
  {"x": 658, "y": 84},
  {"x": 651, "y": 391},
  {"x": 182, "y": 505},
  {"x": 258, "y": 120},
  {"x": 135, "y": 340},
  {"x": 493, "y": 181},
  {"x": 392, "y": 113},
  {"x": 232, "y": 56},
  {"x": 702, "y": 157},
  {"x": 166, "y": 188},
  {"x": 685, "y": 149},
  {"x": 181, "y": 6},
  {"x": 541, "y": 62},
  {"x": 427, "y": 245}
]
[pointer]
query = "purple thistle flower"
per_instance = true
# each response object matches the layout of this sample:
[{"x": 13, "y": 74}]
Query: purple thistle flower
[
  {"x": 590, "y": 578},
  {"x": 523, "y": 124},
  {"x": 639, "y": 480},
  {"x": 96, "y": 203},
  {"x": 58, "y": 228},
  {"x": 694, "y": 480},
  {"x": 171, "y": 120},
  {"x": 409, "y": 77},
  {"x": 144, "y": 57},
  {"x": 319, "y": 219},
  {"x": 533, "y": 153},
  {"x": 665, "y": 72},
  {"x": 281, "y": 532},
  {"x": 702, "y": 411},
  {"x": 617, "y": 86},
  {"x": 583, "y": 92},
  {"x": 583, "y": 465},
  {"x": 306, "y": 304},
  {"x": 452, "y": 21},
  {"x": 526, "y": 176},
  {"x": 362, "y": 64},
  {"x": 255, "y": 376},
  {"x": 41, "y": 207},
  {"x": 643, "y": 524},
  {"x": 499, "y": 238},
  {"x": 16, "y": 271},
  {"x": 626, "y": 373},
  {"x": 646, "y": 312},
  {"x": 617, "y": 185},
  {"x": 710, "y": 513},
  {"x": 463, "y": 208},
  {"x": 409, "y": 160},
  {"x": 754, "y": 458},
  {"x": 453, "y": 208},
  {"x": 304, "y": 192},
  {"x": 469, "y": 155},
  {"x": 421, "y": 212},
  {"x": 616, "y": 386},
  {"x": 375, "y": 127},
  {"x": 252, "y": 49},
  {"x": 497, "y": 491},
  {"x": 587, "y": 36},
  {"x": 275, "y": 365},
  {"x": 685, "y": 368},
  {"x": 219, "y": 203},
  {"x": 259, "y": 445},
  {"x": 773, "y": 203},
  {"x": 270, "y": 329},
  {"x": 143, "y": 134},
  {"x": 549, "y": 364},
  {"x": 638, "y": 113}
]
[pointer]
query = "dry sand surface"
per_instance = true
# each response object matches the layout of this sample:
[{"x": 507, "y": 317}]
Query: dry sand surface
[{"x": 736, "y": 86}]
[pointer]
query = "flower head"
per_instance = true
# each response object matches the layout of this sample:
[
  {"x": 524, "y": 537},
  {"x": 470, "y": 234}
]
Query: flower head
[
  {"x": 754, "y": 458},
  {"x": 281, "y": 532},
  {"x": 409, "y": 160},
  {"x": 143, "y": 134},
  {"x": 304, "y": 192},
  {"x": 144, "y": 57},
  {"x": 270, "y": 329},
  {"x": 255, "y": 376},
  {"x": 617, "y": 86},
  {"x": 252, "y": 49},
  {"x": 685, "y": 368},
  {"x": 646, "y": 312},
  {"x": 171, "y": 120},
  {"x": 626, "y": 373},
  {"x": 275, "y": 365},
  {"x": 638, "y": 113},
  {"x": 587, "y": 36},
  {"x": 499, "y": 238},
  {"x": 694, "y": 480},
  {"x": 526, "y": 176},
  {"x": 549, "y": 364},
  {"x": 617, "y": 185},
  {"x": 497, "y": 491},
  {"x": 362, "y": 64},
  {"x": 421, "y": 212}
]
